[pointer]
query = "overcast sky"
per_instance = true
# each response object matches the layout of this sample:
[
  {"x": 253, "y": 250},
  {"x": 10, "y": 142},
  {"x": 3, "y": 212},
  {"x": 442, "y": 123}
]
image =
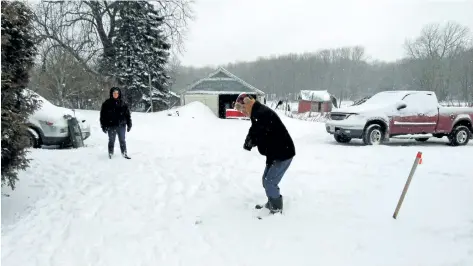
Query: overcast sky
[{"x": 227, "y": 31}]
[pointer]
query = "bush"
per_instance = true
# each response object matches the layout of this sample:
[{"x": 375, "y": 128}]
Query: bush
[{"x": 18, "y": 52}]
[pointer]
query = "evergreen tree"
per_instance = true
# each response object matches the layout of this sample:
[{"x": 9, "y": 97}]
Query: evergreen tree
[
  {"x": 18, "y": 52},
  {"x": 141, "y": 50}
]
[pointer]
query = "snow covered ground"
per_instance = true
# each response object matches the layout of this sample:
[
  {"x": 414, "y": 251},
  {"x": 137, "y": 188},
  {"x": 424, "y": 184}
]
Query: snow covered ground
[{"x": 187, "y": 198}]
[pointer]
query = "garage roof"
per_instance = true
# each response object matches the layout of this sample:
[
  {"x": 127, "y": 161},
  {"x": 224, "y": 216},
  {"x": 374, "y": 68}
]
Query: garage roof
[{"x": 220, "y": 82}]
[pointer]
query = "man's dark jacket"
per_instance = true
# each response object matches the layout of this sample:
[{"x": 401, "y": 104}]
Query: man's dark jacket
[
  {"x": 269, "y": 134},
  {"x": 115, "y": 112}
]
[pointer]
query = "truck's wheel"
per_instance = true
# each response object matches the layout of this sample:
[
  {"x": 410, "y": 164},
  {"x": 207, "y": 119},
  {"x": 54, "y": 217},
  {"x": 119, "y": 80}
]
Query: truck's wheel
[
  {"x": 373, "y": 135},
  {"x": 459, "y": 136},
  {"x": 341, "y": 138}
]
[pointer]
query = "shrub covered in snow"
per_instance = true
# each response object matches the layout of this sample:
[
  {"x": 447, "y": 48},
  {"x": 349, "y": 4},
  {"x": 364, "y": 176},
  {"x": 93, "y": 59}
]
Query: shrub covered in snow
[{"x": 18, "y": 51}]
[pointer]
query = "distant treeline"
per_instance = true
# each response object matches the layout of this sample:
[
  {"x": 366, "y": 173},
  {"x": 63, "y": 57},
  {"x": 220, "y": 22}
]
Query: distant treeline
[{"x": 440, "y": 60}]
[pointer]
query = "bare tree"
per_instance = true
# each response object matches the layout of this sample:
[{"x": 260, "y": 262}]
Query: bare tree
[
  {"x": 357, "y": 53},
  {"x": 435, "y": 51},
  {"x": 177, "y": 14},
  {"x": 465, "y": 76},
  {"x": 437, "y": 42},
  {"x": 60, "y": 79},
  {"x": 173, "y": 67},
  {"x": 69, "y": 26},
  {"x": 86, "y": 29}
]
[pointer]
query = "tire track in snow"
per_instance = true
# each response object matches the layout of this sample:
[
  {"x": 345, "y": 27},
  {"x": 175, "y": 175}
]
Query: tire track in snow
[
  {"x": 49, "y": 219},
  {"x": 52, "y": 215}
]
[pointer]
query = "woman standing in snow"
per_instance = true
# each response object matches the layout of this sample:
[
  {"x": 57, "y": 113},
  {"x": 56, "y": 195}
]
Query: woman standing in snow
[{"x": 115, "y": 119}]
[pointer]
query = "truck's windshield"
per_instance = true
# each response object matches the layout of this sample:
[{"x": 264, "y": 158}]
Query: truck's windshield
[
  {"x": 381, "y": 98},
  {"x": 360, "y": 101}
]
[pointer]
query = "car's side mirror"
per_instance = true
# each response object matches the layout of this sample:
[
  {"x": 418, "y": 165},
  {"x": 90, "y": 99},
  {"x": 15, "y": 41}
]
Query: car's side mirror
[{"x": 401, "y": 105}]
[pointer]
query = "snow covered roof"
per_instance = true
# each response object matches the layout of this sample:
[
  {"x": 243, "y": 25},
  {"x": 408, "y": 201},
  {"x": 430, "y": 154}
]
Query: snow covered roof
[
  {"x": 222, "y": 81},
  {"x": 315, "y": 96}
]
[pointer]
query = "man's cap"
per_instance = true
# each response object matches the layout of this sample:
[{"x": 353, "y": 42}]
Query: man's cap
[{"x": 241, "y": 97}]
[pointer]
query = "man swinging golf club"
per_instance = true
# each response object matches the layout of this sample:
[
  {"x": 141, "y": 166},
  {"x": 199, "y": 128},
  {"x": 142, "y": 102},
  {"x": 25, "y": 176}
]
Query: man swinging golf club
[{"x": 268, "y": 133}]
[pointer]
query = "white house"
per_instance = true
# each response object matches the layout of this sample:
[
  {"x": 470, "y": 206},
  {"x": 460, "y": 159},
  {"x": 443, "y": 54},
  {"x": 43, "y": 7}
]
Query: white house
[{"x": 219, "y": 91}]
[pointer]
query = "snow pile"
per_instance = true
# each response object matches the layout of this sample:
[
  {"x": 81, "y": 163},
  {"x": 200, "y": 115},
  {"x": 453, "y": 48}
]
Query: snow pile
[
  {"x": 310, "y": 116},
  {"x": 195, "y": 109},
  {"x": 187, "y": 195}
]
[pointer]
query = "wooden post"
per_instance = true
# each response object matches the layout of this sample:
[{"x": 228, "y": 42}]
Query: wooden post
[
  {"x": 311, "y": 101},
  {"x": 417, "y": 161}
]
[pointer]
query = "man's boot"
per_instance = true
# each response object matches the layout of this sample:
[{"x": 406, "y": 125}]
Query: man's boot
[
  {"x": 123, "y": 150},
  {"x": 276, "y": 205},
  {"x": 110, "y": 152},
  {"x": 125, "y": 155}
]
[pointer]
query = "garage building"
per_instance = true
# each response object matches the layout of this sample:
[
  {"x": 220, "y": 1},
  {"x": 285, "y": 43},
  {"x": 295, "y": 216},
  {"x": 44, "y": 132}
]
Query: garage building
[{"x": 219, "y": 91}]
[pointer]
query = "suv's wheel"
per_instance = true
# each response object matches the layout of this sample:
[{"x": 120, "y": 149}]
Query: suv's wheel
[
  {"x": 459, "y": 136},
  {"x": 34, "y": 139},
  {"x": 341, "y": 139},
  {"x": 373, "y": 134}
]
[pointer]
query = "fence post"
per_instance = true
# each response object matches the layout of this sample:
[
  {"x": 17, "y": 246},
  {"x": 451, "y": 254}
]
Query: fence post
[{"x": 417, "y": 161}]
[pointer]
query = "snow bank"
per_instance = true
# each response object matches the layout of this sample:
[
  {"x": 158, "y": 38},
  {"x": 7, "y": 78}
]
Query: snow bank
[
  {"x": 310, "y": 116},
  {"x": 195, "y": 109}
]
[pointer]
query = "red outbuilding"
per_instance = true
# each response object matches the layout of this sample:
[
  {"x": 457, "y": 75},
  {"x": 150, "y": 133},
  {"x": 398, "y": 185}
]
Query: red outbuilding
[{"x": 315, "y": 101}]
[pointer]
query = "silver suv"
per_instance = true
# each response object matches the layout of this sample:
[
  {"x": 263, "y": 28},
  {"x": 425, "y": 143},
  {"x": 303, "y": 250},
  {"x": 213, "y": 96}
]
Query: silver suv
[{"x": 49, "y": 125}]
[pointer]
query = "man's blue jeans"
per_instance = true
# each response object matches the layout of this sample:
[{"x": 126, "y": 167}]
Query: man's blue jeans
[
  {"x": 112, "y": 133},
  {"x": 273, "y": 174}
]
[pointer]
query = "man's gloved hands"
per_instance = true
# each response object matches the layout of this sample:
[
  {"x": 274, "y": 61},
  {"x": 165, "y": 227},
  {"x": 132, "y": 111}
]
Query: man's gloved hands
[
  {"x": 105, "y": 130},
  {"x": 248, "y": 145},
  {"x": 128, "y": 128}
]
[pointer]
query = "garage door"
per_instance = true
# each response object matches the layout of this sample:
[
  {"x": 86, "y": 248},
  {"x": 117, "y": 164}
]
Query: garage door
[{"x": 211, "y": 100}]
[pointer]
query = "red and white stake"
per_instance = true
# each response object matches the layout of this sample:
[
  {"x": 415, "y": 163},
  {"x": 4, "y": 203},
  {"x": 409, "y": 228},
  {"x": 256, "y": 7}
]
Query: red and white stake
[{"x": 417, "y": 161}]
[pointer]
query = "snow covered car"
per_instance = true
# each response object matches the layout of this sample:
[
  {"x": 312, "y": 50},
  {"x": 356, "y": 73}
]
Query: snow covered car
[
  {"x": 396, "y": 113},
  {"x": 48, "y": 125}
]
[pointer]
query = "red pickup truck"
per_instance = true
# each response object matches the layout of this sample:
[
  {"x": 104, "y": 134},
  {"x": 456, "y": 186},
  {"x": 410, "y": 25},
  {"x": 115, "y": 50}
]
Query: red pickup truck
[{"x": 396, "y": 113}]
